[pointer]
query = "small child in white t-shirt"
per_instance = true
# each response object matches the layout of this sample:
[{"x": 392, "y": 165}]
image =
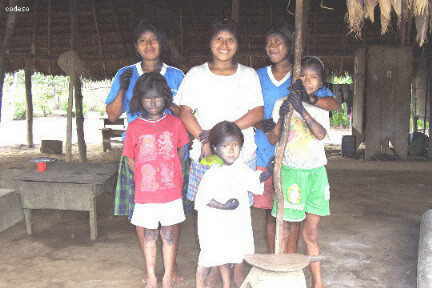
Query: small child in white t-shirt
[{"x": 224, "y": 219}]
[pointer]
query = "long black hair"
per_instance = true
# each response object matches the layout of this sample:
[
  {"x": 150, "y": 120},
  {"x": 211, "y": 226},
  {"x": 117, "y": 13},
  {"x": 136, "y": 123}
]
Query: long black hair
[
  {"x": 167, "y": 53},
  {"x": 222, "y": 130},
  {"x": 315, "y": 63},
  {"x": 146, "y": 82},
  {"x": 228, "y": 25},
  {"x": 285, "y": 31}
]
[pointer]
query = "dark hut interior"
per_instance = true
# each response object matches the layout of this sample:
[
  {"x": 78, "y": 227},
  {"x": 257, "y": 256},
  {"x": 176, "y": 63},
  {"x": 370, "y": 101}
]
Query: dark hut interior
[
  {"x": 340, "y": 32},
  {"x": 371, "y": 239}
]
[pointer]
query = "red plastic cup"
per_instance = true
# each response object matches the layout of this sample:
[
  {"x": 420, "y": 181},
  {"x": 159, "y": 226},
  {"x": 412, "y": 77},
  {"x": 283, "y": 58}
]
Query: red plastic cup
[{"x": 41, "y": 166}]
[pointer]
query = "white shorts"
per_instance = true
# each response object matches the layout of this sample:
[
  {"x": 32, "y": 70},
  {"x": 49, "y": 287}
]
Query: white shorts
[{"x": 151, "y": 214}]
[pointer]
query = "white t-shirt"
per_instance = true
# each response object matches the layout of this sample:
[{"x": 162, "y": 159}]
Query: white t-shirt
[
  {"x": 226, "y": 236},
  {"x": 303, "y": 150},
  {"x": 215, "y": 98}
]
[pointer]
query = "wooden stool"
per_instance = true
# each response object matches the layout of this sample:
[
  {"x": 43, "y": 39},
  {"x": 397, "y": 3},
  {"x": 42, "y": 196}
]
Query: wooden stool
[{"x": 277, "y": 270}]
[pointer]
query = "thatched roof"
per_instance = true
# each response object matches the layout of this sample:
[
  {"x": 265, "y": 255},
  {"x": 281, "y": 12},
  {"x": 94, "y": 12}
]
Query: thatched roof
[
  {"x": 104, "y": 40},
  {"x": 399, "y": 11}
]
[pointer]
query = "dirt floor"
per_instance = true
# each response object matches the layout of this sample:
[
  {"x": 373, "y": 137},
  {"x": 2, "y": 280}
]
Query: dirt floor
[{"x": 370, "y": 240}]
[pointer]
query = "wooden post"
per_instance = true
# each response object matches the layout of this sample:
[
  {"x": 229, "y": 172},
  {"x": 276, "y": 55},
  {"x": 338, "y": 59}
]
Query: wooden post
[
  {"x": 359, "y": 99},
  {"x": 235, "y": 11},
  {"x": 79, "y": 118},
  {"x": 10, "y": 27},
  {"x": 68, "y": 149},
  {"x": 29, "y": 103},
  {"x": 280, "y": 147},
  {"x": 76, "y": 83}
]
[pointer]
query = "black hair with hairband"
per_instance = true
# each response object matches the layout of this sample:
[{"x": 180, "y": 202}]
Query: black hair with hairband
[{"x": 314, "y": 61}]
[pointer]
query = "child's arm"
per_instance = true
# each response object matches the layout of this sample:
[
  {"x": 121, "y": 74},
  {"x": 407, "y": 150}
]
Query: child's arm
[
  {"x": 274, "y": 135},
  {"x": 230, "y": 204},
  {"x": 327, "y": 103},
  {"x": 317, "y": 130},
  {"x": 180, "y": 152}
]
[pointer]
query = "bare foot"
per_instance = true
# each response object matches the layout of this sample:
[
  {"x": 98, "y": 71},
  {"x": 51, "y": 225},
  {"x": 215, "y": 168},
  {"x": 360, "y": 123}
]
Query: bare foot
[
  {"x": 150, "y": 282},
  {"x": 213, "y": 278},
  {"x": 171, "y": 281}
]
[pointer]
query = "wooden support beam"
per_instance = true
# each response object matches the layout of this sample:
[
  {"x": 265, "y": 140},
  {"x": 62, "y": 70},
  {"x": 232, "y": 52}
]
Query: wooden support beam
[
  {"x": 298, "y": 40},
  {"x": 68, "y": 156},
  {"x": 9, "y": 28},
  {"x": 76, "y": 83},
  {"x": 281, "y": 145},
  {"x": 235, "y": 10},
  {"x": 99, "y": 39},
  {"x": 49, "y": 35},
  {"x": 29, "y": 104}
]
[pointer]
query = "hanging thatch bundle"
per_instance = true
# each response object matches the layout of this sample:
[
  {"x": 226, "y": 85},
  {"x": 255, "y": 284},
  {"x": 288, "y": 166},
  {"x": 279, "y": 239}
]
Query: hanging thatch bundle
[
  {"x": 370, "y": 9},
  {"x": 419, "y": 7},
  {"x": 355, "y": 16},
  {"x": 397, "y": 7},
  {"x": 422, "y": 23},
  {"x": 385, "y": 7}
]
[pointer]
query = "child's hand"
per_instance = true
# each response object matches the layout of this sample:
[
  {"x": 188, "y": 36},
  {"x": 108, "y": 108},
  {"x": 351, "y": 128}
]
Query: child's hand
[
  {"x": 267, "y": 173},
  {"x": 125, "y": 79},
  {"x": 203, "y": 136},
  {"x": 284, "y": 109},
  {"x": 231, "y": 204},
  {"x": 295, "y": 99},
  {"x": 267, "y": 125},
  {"x": 205, "y": 151}
]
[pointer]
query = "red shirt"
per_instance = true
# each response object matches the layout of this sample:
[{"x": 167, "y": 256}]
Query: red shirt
[{"x": 153, "y": 146}]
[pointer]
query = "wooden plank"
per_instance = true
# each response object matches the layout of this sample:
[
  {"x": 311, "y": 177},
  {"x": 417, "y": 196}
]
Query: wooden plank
[
  {"x": 81, "y": 173},
  {"x": 358, "y": 110},
  {"x": 387, "y": 99}
]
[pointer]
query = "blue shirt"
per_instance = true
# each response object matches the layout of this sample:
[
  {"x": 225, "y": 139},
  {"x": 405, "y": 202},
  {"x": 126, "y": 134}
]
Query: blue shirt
[
  {"x": 172, "y": 75},
  {"x": 272, "y": 91}
]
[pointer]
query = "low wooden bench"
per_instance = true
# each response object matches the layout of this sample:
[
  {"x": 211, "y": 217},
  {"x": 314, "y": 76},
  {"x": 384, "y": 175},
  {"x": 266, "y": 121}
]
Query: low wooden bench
[{"x": 112, "y": 132}]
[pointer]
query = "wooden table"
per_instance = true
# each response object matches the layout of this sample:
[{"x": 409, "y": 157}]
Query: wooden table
[{"x": 66, "y": 186}]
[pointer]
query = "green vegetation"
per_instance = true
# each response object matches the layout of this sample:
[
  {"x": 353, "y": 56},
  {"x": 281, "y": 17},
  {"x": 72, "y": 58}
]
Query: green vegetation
[
  {"x": 50, "y": 95},
  {"x": 340, "y": 118}
]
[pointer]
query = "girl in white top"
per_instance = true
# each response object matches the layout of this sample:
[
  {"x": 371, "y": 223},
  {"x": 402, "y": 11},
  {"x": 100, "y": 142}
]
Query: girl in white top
[
  {"x": 224, "y": 220},
  {"x": 219, "y": 90}
]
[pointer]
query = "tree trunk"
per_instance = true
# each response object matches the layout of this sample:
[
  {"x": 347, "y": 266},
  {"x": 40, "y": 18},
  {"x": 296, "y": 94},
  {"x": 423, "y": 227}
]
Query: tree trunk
[
  {"x": 29, "y": 103},
  {"x": 79, "y": 118}
]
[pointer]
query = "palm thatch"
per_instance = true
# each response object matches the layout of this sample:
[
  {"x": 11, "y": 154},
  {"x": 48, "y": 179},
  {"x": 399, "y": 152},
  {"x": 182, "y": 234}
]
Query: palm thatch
[
  {"x": 104, "y": 39},
  {"x": 359, "y": 10}
]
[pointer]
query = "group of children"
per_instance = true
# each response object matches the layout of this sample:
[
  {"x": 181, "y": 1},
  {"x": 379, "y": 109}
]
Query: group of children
[{"x": 156, "y": 142}]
